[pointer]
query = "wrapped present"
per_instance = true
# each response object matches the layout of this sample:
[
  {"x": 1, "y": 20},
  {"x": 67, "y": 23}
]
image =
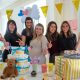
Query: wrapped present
[
  {"x": 72, "y": 69},
  {"x": 59, "y": 62},
  {"x": 44, "y": 68},
  {"x": 66, "y": 68}
]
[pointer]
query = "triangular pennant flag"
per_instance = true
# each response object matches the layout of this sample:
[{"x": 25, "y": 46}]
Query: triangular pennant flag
[
  {"x": 9, "y": 13},
  {"x": 44, "y": 10},
  {"x": 76, "y": 4},
  {"x": 59, "y": 7}
]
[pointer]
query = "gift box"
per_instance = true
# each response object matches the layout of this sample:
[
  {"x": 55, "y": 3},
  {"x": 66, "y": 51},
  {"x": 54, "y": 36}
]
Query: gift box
[{"x": 66, "y": 68}]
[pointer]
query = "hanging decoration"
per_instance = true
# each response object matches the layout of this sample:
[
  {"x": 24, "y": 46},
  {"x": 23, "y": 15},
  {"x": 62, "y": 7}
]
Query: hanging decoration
[
  {"x": 20, "y": 13},
  {"x": 76, "y": 4},
  {"x": 74, "y": 24},
  {"x": 29, "y": 12},
  {"x": 9, "y": 13},
  {"x": 23, "y": 18},
  {"x": 59, "y": 7},
  {"x": 29, "y": 9},
  {"x": 44, "y": 10},
  {"x": 35, "y": 11}
]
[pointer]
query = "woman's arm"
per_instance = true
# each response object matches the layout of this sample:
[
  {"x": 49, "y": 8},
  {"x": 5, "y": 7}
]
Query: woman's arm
[
  {"x": 23, "y": 38},
  {"x": 44, "y": 45},
  {"x": 78, "y": 42}
]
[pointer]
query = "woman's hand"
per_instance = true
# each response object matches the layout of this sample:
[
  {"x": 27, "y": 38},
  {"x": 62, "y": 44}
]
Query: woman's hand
[
  {"x": 6, "y": 44},
  {"x": 49, "y": 44},
  {"x": 45, "y": 51},
  {"x": 1, "y": 38},
  {"x": 21, "y": 43}
]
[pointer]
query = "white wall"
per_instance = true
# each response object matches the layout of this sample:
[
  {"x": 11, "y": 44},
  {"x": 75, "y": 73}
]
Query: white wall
[
  {"x": 20, "y": 5},
  {"x": 68, "y": 12},
  {"x": 50, "y": 12},
  {"x": 16, "y": 7},
  {"x": 42, "y": 18}
]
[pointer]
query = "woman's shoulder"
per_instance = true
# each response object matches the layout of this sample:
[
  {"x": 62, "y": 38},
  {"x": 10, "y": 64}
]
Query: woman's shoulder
[
  {"x": 74, "y": 35},
  {"x": 44, "y": 37},
  {"x": 7, "y": 35},
  {"x": 60, "y": 36},
  {"x": 24, "y": 30}
]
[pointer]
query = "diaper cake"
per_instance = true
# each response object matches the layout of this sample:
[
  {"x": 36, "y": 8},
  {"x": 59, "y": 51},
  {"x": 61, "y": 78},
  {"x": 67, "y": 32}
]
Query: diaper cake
[{"x": 22, "y": 59}]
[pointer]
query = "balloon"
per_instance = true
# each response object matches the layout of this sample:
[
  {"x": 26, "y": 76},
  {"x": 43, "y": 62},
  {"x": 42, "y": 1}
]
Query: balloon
[
  {"x": 35, "y": 10},
  {"x": 20, "y": 13},
  {"x": 29, "y": 11},
  {"x": 23, "y": 19},
  {"x": 25, "y": 12}
]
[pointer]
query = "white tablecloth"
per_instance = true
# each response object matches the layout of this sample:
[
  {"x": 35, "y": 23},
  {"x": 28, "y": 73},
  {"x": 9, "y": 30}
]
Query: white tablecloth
[{"x": 28, "y": 76}]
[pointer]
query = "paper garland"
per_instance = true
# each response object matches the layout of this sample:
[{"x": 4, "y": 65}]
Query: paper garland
[
  {"x": 9, "y": 13},
  {"x": 44, "y": 10},
  {"x": 76, "y": 4},
  {"x": 59, "y": 7}
]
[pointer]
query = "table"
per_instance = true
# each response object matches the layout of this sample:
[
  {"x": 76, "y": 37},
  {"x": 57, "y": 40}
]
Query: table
[{"x": 27, "y": 76}]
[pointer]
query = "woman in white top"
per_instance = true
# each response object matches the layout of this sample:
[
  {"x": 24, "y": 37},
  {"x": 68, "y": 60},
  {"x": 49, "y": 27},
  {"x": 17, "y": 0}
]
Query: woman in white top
[{"x": 38, "y": 44}]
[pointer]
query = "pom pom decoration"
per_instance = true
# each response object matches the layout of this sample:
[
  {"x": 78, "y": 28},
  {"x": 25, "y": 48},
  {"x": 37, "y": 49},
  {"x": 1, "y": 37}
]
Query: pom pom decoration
[{"x": 23, "y": 18}]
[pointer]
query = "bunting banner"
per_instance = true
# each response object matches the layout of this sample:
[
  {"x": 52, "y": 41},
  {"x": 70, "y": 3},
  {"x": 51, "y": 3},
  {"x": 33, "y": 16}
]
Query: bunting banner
[
  {"x": 9, "y": 13},
  {"x": 44, "y": 10},
  {"x": 59, "y": 7},
  {"x": 76, "y": 4}
]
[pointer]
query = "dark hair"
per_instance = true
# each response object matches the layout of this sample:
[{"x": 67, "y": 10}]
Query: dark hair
[
  {"x": 28, "y": 18},
  {"x": 29, "y": 31},
  {"x": 13, "y": 22},
  {"x": 69, "y": 33},
  {"x": 49, "y": 36}
]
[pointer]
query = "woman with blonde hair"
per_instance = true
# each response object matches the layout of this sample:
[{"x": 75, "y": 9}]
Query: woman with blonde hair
[{"x": 38, "y": 44}]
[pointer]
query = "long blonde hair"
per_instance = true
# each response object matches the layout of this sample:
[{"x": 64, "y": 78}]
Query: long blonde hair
[{"x": 34, "y": 34}]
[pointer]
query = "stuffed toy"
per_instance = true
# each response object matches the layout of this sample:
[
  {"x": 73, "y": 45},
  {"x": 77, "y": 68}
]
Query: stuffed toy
[{"x": 10, "y": 70}]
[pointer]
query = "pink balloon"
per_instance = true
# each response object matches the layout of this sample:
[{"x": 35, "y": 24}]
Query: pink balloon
[{"x": 25, "y": 12}]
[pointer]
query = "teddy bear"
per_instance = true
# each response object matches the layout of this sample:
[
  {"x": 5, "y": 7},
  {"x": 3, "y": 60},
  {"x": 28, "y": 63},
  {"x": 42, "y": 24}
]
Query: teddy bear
[{"x": 10, "y": 70}]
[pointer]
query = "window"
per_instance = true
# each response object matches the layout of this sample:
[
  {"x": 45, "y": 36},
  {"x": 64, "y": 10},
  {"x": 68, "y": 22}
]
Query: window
[{"x": 3, "y": 24}]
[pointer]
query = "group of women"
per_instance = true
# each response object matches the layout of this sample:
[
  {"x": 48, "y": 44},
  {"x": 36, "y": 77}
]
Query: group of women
[{"x": 53, "y": 42}]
